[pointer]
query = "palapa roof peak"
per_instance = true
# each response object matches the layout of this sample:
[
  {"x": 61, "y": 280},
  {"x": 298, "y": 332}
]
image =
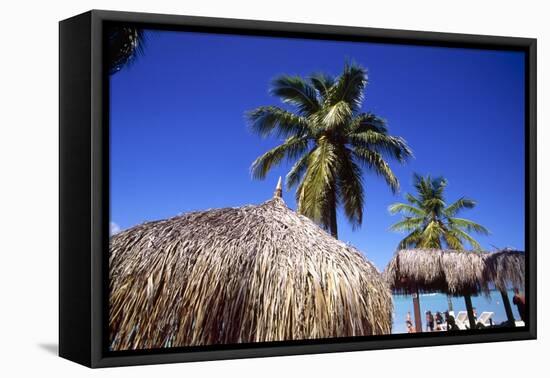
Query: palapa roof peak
[
  {"x": 279, "y": 188},
  {"x": 237, "y": 275}
]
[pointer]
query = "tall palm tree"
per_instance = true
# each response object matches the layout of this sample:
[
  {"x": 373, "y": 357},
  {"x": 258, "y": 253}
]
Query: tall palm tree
[
  {"x": 125, "y": 43},
  {"x": 328, "y": 139},
  {"x": 430, "y": 222}
]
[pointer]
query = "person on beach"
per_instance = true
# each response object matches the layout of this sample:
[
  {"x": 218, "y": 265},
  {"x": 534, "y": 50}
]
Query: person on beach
[
  {"x": 429, "y": 321},
  {"x": 519, "y": 301},
  {"x": 409, "y": 323},
  {"x": 451, "y": 324},
  {"x": 438, "y": 321}
]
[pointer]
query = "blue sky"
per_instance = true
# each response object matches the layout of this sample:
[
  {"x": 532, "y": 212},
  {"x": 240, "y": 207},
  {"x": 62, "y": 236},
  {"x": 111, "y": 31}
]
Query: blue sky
[{"x": 180, "y": 142}]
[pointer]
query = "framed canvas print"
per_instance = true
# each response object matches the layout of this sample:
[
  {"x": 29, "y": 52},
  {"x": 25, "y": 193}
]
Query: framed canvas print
[{"x": 233, "y": 188}]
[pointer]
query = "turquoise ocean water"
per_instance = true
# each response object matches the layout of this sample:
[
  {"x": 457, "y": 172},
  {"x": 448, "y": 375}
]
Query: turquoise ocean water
[{"x": 438, "y": 302}]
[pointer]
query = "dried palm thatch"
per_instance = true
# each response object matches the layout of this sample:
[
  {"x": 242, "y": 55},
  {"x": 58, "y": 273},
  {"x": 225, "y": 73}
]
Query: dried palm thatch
[
  {"x": 505, "y": 269},
  {"x": 239, "y": 275},
  {"x": 453, "y": 272}
]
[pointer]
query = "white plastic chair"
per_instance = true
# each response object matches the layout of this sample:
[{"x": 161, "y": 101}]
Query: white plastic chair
[
  {"x": 485, "y": 318},
  {"x": 461, "y": 319}
]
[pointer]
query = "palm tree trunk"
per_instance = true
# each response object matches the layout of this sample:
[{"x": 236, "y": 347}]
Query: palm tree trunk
[{"x": 332, "y": 210}]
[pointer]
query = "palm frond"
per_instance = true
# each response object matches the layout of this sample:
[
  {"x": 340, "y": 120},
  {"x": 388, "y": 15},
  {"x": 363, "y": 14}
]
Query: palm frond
[
  {"x": 322, "y": 83},
  {"x": 429, "y": 187},
  {"x": 406, "y": 209},
  {"x": 268, "y": 120},
  {"x": 125, "y": 44},
  {"x": 351, "y": 188},
  {"x": 336, "y": 115},
  {"x": 376, "y": 162},
  {"x": 438, "y": 185},
  {"x": 297, "y": 171},
  {"x": 407, "y": 224},
  {"x": 296, "y": 91},
  {"x": 290, "y": 149},
  {"x": 349, "y": 86},
  {"x": 419, "y": 183},
  {"x": 319, "y": 180},
  {"x": 458, "y": 233},
  {"x": 460, "y": 204},
  {"x": 434, "y": 203},
  {"x": 431, "y": 235},
  {"x": 413, "y": 200},
  {"x": 452, "y": 241},
  {"x": 367, "y": 122},
  {"x": 468, "y": 225},
  {"x": 411, "y": 240},
  {"x": 394, "y": 147}
]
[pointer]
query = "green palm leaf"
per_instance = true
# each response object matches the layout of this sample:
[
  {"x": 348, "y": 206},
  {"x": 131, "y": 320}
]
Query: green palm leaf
[
  {"x": 351, "y": 188},
  {"x": 406, "y": 209},
  {"x": 468, "y": 226},
  {"x": 413, "y": 200},
  {"x": 376, "y": 162},
  {"x": 367, "y": 122},
  {"x": 296, "y": 91},
  {"x": 457, "y": 206},
  {"x": 290, "y": 149},
  {"x": 431, "y": 235},
  {"x": 297, "y": 171},
  {"x": 407, "y": 224},
  {"x": 267, "y": 120},
  {"x": 385, "y": 144},
  {"x": 452, "y": 241},
  {"x": 337, "y": 115},
  {"x": 322, "y": 84},
  {"x": 313, "y": 193},
  {"x": 411, "y": 240},
  {"x": 349, "y": 86},
  {"x": 465, "y": 236}
]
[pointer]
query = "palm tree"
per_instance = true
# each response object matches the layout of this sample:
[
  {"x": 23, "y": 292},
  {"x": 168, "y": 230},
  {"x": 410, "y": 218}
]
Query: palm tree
[
  {"x": 125, "y": 43},
  {"x": 329, "y": 140},
  {"x": 430, "y": 223}
]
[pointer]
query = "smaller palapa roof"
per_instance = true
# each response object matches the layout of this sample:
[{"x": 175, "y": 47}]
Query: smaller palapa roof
[
  {"x": 454, "y": 272},
  {"x": 437, "y": 270},
  {"x": 505, "y": 268}
]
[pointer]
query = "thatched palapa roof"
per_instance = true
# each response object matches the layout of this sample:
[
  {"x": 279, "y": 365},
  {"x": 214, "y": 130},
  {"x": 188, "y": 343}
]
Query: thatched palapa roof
[
  {"x": 454, "y": 272},
  {"x": 505, "y": 269},
  {"x": 434, "y": 270},
  {"x": 239, "y": 275}
]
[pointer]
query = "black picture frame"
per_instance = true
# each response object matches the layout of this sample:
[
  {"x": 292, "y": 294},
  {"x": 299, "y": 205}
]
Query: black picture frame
[{"x": 84, "y": 188}]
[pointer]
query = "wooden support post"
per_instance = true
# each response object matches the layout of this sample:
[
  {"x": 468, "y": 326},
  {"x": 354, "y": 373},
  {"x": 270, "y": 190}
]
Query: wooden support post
[
  {"x": 470, "y": 310},
  {"x": 417, "y": 315},
  {"x": 508, "y": 308}
]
